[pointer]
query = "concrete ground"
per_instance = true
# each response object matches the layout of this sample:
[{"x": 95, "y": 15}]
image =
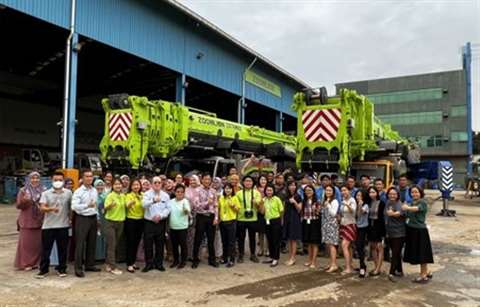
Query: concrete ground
[{"x": 456, "y": 282}]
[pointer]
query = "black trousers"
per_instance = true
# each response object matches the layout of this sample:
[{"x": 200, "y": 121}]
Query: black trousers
[
  {"x": 85, "y": 241},
  {"x": 396, "y": 245},
  {"x": 133, "y": 233},
  {"x": 360, "y": 245},
  {"x": 242, "y": 228},
  {"x": 178, "y": 238},
  {"x": 50, "y": 236},
  {"x": 154, "y": 234},
  {"x": 228, "y": 232},
  {"x": 273, "y": 231},
  {"x": 204, "y": 225}
]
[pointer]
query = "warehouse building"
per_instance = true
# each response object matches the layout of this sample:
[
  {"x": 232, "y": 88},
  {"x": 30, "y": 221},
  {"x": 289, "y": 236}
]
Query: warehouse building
[
  {"x": 158, "y": 49},
  {"x": 431, "y": 109}
]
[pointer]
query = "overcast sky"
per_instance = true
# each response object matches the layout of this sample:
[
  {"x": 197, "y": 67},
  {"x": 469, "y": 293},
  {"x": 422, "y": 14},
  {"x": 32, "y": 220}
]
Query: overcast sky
[{"x": 328, "y": 42}]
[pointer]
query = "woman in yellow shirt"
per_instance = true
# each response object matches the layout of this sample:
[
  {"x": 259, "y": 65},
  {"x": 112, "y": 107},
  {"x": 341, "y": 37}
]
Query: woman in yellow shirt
[
  {"x": 228, "y": 207},
  {"x": 114, "y": 218},
  {"x": 133, "y": 223},
  {"x": 272, "y": 208}
]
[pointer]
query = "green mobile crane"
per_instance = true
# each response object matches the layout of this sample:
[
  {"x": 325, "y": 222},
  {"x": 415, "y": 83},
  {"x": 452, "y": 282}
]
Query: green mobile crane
[
  {"x": 342, "y": 135},
  {"x": 139, "y": 131},
  {"x": 334, "y": 134}
]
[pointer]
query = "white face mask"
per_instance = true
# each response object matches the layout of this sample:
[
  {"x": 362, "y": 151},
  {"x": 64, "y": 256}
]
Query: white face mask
[{"x": 57, "y": 184}]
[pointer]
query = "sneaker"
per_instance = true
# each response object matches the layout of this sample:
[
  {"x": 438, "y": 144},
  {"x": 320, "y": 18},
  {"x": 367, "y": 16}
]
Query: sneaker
[
  {"x": 62, "y": 274},
  {"x": 116, "y": 271},
  {"x": 41, "y": 275},
  {"x": 362, "y": 273},
  {"x": 274, "y": 263}
]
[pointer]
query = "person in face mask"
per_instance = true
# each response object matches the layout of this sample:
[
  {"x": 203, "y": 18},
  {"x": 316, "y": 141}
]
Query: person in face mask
[{"x": 55, "y": 204}]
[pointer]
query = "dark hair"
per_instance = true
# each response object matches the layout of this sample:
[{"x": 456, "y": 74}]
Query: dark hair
[
  {"x": 57, "y": 173},
  {"x": 228, "y": 185},
  {"x": 178, "y": 186},
  {"x": 351, "y": 177},
  {"x": 365, "y": 176},
  {"x": 420, "y": 190},
  {"x": 365, "y": 196},
  {"x": 379, "y": 179},
  {"x": 373, "y": 189},
  {"x": 269, "y": 185},
  {"x": 248, "y": 177},
  {"x": 296, "y": 187},
  {"x": 86, "y": 171},
  {"x": 403, "y": 176},
  {"x": 395, "y": 189},
  {"x": 314, "y": 198},
  {"x": 108, "y": 172},
  {"x": 325, "y": 176},
  {"x": 132, "y": 182},
  {"x": 206, "y": 175},
  {"x": 333, "y": 194},
  {"x": 115, "y": 180},
  {"x": 260, "y": 177}
]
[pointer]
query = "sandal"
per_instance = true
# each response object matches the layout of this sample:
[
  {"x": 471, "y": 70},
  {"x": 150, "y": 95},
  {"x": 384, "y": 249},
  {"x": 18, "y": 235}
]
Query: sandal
[
  {"x": 430, "y": 275},
  {"x": 307, "y": 264},
  {"x": 421, "y": 280},
  {"x": 373, "y": 273},
  {"x": 312, "y": 266},
  {"x": 332, "y": 269}
]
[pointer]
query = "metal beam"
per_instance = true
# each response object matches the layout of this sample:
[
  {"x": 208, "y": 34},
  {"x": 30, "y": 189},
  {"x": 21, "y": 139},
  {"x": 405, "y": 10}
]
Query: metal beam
[
  {"x": 467, "y": 58},
  {"x": 279, "y": 121},
  {"x": 180, "y": 88},
  {"x": 72, "y": 110},
  {"x": 66, "y": 143}
]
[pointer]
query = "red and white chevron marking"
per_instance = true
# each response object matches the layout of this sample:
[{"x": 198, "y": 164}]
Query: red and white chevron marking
[
  {"x": 321, "y": 125},
  {"x": 119, "y": 126}
]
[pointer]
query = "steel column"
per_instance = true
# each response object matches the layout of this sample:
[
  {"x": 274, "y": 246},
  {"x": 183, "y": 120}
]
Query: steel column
[
  {"x": 467, "y": 58},
  {"x": 180, "y": 88},
  {"x": 279, "y": 121}
]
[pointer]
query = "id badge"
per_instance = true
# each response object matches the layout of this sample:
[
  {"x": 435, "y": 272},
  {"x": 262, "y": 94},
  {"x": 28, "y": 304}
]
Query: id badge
[
  {"x": 308, "y": 221},
  {"x": 268, "y": 222}
]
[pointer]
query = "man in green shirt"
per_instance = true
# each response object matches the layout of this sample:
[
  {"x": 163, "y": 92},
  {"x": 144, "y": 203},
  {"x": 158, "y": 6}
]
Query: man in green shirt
[{"x": 249, "y": 199}]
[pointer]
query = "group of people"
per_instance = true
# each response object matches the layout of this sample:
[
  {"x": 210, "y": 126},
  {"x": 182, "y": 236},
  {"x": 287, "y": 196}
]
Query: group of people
[{"x": 179, "y": 215}]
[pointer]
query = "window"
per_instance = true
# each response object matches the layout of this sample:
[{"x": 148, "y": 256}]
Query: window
[
  {"x": 403, "y": 96},
  {"x": 412, "y": 118},
  {"x": 428, "y": 141},
  {"x": 458, "y": 136},
  {"x": 458, "y": 111}
]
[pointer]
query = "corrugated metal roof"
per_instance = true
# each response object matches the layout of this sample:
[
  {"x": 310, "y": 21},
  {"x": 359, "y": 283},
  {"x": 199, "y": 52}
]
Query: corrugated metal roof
[{"x": 184, "y": 9}]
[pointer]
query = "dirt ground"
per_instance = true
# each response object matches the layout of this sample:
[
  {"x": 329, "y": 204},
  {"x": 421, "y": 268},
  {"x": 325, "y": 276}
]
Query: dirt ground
[{"x": 456, "y": 282}]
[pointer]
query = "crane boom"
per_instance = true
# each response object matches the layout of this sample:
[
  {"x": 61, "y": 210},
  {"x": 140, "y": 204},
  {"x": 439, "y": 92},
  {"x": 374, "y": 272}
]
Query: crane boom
[{"x": 136, "y": 127}]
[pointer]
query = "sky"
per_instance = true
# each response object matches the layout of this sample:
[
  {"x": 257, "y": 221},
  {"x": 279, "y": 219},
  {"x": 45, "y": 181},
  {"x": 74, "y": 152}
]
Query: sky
[{"x": 324, "y": 42}]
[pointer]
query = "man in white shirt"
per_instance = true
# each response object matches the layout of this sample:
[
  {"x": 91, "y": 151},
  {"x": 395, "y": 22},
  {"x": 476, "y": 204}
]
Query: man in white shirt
[
  {"x": 157, "y": 210},
  {"x": 84, "y": 203}
]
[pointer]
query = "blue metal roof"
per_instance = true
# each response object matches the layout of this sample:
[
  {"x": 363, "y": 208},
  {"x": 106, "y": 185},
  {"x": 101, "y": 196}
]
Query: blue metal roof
[{"x": 170, "y": 35}]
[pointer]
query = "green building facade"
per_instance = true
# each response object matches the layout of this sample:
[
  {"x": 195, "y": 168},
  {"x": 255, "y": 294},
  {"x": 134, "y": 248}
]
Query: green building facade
[{"x": 430, "y": 109}]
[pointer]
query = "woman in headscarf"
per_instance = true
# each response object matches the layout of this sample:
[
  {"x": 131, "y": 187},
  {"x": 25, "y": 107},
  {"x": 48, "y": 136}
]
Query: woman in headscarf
[
  {"x": 101, "y": 243},
  {"x": 218, "y": 187},
  {"x": 29, "y": 224},
  {"x": 192, "y": 194}
]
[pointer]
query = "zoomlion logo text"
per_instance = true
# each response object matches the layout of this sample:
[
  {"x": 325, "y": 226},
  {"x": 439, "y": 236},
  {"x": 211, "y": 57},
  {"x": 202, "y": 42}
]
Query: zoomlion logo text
[{"x": 219, "y": 124}]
